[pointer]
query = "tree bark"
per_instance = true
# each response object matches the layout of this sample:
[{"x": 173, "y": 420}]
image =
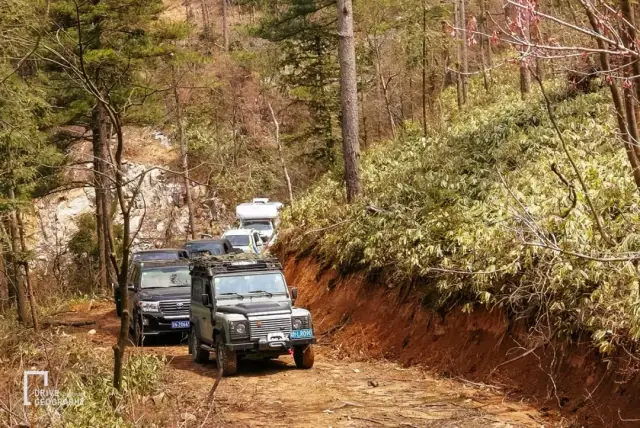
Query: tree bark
[
  {"x": 184, "y": 154},
  {"x": 456, "y": 20},
  {"x": 100, "y": 140},
  {"x": 205, "y": 18},
  {"x": 465, "y": 56},
  {"x": 623, "y": 125},
  {"x": 484, "y": 41},
  {"x": 628, "y": 36},
  {"x": 282, "y": 162},
  {"x": 25, "y": 263},
  {"x": 225, "y": 25},
  {"x": 18, "y": 280},
  {"x": 424, "y": 68},
  {"x": 365, "y": 135},
  {"x": 349, "y": 100}
]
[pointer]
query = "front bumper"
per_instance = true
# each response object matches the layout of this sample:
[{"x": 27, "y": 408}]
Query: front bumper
[{"x": 263, "y": 346}]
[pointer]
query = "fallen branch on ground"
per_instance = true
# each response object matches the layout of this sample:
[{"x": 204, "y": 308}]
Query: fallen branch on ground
[{"x": 54, "y": 323}]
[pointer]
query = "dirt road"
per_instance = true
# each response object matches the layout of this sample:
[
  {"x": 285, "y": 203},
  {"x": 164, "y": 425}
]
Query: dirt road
[{"x": 335, "y": 393}]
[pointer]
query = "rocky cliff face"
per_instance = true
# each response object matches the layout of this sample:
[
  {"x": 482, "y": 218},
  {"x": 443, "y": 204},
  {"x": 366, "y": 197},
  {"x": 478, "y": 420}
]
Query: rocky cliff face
[{"x": 160, "y": 214}]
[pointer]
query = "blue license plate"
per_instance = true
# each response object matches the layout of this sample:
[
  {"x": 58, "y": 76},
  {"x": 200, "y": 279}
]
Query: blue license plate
[
  {"x": 180, "y": 324},
  {"x": 306, "y": 333}
]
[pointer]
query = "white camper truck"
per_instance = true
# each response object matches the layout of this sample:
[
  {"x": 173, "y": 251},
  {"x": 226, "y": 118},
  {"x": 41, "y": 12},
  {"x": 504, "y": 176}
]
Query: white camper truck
[{"x": 262, "y": 217}]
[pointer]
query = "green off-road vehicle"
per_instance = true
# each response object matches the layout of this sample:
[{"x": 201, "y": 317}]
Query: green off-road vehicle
[{"x": 241, "y": 307}]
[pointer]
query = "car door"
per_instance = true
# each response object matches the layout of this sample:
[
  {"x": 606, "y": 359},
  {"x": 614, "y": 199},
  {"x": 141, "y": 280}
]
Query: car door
[
  {"x": 201, "y": 315},
  {"x": 258, "y": 242}
]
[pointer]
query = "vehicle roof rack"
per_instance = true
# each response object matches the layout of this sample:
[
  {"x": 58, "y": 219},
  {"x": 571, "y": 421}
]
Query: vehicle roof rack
[{"x": 228, "y": 263}]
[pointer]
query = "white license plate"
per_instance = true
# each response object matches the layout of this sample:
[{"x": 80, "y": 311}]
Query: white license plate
[{"x": 275, "y": 337}]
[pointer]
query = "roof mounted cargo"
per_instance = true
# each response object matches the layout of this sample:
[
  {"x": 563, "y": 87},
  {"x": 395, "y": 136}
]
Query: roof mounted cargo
[
  {"x": 260, "y": 211},
  {"x": 211, "y": 265}
]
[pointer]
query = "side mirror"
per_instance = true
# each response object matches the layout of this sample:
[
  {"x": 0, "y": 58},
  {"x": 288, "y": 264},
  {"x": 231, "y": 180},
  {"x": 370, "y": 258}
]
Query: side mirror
[
  {"x": 294, "y": 293},
  {"x": 205, "y": 299}
]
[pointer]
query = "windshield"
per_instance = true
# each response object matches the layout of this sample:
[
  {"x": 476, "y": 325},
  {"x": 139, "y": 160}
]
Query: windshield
[
  {"x": 261, "y": 225},
  {"x": 239, "y": 240},
  {"x": 160, "y": 255},
  {"x": 213, "y": 247},
  {"x": 271, "y": 283},
  {"x": 165, "y": 277}
]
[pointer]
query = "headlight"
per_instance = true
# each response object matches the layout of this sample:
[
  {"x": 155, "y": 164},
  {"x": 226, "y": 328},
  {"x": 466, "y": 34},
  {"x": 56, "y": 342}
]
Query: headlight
[
  {"x": 297, "y": 323},
  {"x": 149, "y": 306},
  {"x": 241, "y": 328}
]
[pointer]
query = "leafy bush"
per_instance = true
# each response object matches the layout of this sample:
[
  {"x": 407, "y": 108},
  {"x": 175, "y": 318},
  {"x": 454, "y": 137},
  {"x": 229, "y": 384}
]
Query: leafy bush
[
  {"x": 461, "y": 213},
  {"x": 77, "y": 369}
]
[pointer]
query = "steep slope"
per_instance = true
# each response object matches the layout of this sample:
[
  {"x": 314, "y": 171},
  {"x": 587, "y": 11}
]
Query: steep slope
[{"x": 490, "y": 213}]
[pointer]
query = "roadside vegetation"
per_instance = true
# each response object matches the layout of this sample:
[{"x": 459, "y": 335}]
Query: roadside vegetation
[
  {"x": 490, "y": 211},
  {"x": 82, "y": 373}
]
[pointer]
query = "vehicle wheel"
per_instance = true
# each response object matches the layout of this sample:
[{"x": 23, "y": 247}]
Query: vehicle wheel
[
  {"x": 304, "y": 357},
  {"x": 226, "y": 360},
  {"x": 198, "y": 354},
  {"x": 138, "y": 335}
]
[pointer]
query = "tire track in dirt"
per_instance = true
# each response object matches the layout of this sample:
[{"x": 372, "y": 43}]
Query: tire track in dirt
[{"x": 335, "y": 393}]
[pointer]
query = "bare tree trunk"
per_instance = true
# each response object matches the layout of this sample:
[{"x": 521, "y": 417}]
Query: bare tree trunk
[
  {"x": 628, "y": 35},
  {"x": 100, "y": 138},
  {"x": 123, "y": 273},
  {"x": 282, "y": 162},
  {"x": 184, "y": 154},
  {"x": 484, "y": 41},
  {"x": 456, "y": 20},
  {"x": 385, "y": 89},
  {"x": 225, "y": 25},
  {"x": 205, "y": 18},
  {"x": 424, "y": 68},
  {"x": 25, "y": 263},
  {"x": 349, "y": 100},
  {"x": 365, "y": 134},
  {"x": 525, "y": 80},
  {"x": 187, "y": 7},
  {"x": 465, "y": 57},
  {"x": 18, "y": 280},
  {"x": 616, "y": 97}
]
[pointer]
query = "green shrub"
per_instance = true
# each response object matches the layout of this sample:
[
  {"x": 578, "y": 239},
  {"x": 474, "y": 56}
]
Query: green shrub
[{"x": 446, "y": 213}]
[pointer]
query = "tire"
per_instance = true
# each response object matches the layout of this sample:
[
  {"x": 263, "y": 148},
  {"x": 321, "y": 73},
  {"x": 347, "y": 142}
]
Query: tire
[
  {"x": 198, "y": 354},
  {"x": 304, "y": 357},
  {"x": 226, "y": 360},
  {"x": 138, "y": 335}
]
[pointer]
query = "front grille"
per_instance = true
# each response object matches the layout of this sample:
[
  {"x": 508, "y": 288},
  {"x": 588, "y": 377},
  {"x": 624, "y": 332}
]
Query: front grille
[
  {"x": 269, "y": 325},
  {"x": 175, "y": 307}
]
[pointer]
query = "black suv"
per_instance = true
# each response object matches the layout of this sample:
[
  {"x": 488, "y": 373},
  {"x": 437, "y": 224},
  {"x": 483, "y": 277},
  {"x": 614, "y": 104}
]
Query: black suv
[
  {"x": 212, "y": 247},
  {"x": 145, "y": 256},
  {"x": 241, "y": 307},
  {"x": 159, "y": 298}
]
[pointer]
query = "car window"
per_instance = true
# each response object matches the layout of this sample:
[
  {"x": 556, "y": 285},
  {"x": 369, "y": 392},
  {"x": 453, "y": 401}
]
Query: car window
[
  {"x": 165, "y": 277},
  {"x": 245, "y": 284},
  {"x": 239, "y": 240},
  {"x": 257, "y": 239},
  {"x": 261, "y": 225}
]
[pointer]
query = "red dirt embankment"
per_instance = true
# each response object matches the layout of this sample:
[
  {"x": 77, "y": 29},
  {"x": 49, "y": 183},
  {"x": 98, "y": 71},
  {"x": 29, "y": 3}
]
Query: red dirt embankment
[{"x": 370, "y": 320}]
